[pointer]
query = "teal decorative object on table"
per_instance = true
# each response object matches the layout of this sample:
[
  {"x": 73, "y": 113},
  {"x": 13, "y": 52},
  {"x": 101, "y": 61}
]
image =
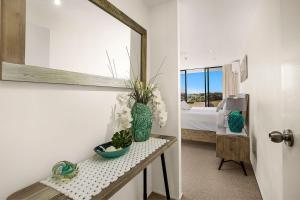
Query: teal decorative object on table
[
  {"x": 142, "y": 122},
  {"x": 236, "y": 122},
  {"x": 64, "y": 170},
  {"x": 110, "y": 154},
  {"x": 134, "y": 110},
  {"x": 119, "y": 145}
]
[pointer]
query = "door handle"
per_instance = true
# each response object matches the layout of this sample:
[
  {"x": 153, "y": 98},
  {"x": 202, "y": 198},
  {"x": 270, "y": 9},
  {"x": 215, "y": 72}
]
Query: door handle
[{"x": 287, "y": 136}]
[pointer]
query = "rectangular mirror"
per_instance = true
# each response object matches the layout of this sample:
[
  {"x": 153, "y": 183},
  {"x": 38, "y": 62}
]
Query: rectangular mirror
[
  {"x": 85, "y": 42},
  {"x": 77, "y": 36}
]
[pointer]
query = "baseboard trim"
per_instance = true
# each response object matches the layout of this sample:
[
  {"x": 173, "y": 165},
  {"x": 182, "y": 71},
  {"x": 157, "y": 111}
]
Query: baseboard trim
[
  {"x": 172, "y": 197},
  {"x": 254, "y": 171}
]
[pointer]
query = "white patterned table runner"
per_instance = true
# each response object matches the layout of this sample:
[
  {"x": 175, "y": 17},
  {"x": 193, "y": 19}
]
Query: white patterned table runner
[{"x": 97, "y": 173}]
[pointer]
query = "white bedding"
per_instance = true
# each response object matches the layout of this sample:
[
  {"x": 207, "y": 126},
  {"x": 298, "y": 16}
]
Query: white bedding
[{"x": 200, "y": 118}]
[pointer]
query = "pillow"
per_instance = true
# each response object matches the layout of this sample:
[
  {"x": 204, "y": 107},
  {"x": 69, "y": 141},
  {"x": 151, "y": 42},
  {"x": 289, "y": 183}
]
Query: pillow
[
  {"x": 221, "y": 105},
  {"x": 185, "y": 106},
  {"x": 223, "y": 118}
]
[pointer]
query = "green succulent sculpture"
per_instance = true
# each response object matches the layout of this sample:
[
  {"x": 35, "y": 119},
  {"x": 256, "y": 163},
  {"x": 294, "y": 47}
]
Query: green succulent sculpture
[
  {"x": 64, "y": 170},
  {"x": 122, "y": 139}
]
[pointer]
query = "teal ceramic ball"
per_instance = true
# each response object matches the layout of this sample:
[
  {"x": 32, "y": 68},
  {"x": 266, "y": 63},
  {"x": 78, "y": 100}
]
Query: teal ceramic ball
[{"x": 236, "y": 122}]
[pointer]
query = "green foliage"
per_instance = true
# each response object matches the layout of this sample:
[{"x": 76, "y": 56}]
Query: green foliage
[
  {"x": 141, "y": 92},
  {"x": 213, "y": 96},
  {"x": 122, "y": 139}
]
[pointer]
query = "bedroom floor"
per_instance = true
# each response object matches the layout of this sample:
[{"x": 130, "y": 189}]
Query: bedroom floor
[{"x": 202, "y": 179}]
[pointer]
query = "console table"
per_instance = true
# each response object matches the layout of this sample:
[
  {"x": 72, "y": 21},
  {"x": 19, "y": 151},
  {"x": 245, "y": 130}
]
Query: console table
[
  {"x": 39, "y": 191},
  {"x": 233, "y": 147}
]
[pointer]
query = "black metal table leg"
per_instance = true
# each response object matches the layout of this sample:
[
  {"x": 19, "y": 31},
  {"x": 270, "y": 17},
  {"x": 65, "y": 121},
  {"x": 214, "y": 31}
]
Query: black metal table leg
[
  {"x": 221, "y": 164},
  {"x": 163, "y": 163},
  {"x": 145, "y": 184},
  {"x": 243, "y": 167},
  {"x": 241, "y": 163}
]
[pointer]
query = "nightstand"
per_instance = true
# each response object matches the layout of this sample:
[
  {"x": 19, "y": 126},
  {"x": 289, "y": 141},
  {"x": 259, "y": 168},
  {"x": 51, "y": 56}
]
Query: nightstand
[{"x": 233, "y": 147}]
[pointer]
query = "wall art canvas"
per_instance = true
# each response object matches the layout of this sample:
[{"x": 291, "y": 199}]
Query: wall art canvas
[{"x": 244, "y": 69}]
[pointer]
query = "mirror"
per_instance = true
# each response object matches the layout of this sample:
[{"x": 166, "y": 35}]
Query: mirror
[
  {"x": 81, "y": 42},
  {"x": 77, "y": 36}
]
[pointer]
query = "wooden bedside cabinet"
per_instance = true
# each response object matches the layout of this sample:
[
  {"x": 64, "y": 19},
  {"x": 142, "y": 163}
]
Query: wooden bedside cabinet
[{"x": 233, "y": 147}]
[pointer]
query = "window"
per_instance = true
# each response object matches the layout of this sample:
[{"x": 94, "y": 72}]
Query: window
[
  {"x": 196, "y": 87},
  {"x": 215, "y": 86},
  {"x": 202, "y": 87}
]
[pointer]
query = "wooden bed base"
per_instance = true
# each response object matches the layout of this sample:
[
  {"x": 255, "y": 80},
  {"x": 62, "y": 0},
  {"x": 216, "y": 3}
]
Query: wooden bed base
[{"x": 198, "y": 135}]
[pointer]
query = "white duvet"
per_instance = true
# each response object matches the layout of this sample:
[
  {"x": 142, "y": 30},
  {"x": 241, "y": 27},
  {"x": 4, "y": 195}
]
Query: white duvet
[{"x": 200, "y": 118}]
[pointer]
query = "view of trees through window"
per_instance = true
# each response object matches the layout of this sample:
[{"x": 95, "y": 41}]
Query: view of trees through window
[{"x": 202, "y": 87}]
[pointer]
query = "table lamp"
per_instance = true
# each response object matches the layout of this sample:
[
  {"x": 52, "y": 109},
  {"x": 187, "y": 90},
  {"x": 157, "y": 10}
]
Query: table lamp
[{"x": 236, "y": 104}]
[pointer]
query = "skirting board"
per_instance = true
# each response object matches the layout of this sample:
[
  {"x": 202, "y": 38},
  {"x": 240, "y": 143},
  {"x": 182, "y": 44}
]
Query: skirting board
[
  {"x": 159, "y": 195},
  {"x": 198, "y": 135}
]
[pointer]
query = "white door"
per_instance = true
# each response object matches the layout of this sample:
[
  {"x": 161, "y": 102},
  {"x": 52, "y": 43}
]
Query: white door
[{"x": 290, "y": 74}]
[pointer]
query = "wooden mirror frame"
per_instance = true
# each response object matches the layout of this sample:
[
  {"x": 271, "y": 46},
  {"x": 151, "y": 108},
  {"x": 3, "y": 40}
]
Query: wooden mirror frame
[{"x": 12, "y": 49}]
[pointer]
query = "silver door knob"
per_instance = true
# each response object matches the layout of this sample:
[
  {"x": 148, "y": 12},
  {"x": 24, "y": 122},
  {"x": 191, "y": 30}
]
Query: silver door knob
[{"x": 287, "y": 136}]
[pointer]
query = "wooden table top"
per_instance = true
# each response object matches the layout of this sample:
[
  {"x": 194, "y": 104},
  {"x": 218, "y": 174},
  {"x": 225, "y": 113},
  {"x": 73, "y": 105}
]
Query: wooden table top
[
  {"x": 226, "y": 131},
  {"x": 39, "y": 191}
]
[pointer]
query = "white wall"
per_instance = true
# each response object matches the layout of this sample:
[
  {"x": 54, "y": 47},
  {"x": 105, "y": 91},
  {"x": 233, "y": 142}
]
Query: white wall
[
  {"x": 37, "y": 47},
  {"x": 85, "y": 32},
  {"x": 215, "y": 32},
  {"x": 212, "y": 31},
  {"x": 41, "y": 124},
  {"x": 164, "y": 43},
  {"x": 264, "y": 85}
]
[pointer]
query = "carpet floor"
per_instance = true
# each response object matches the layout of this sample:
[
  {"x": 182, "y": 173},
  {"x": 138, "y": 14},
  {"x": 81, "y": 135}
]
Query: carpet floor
[{"x": 203, "y": 181}]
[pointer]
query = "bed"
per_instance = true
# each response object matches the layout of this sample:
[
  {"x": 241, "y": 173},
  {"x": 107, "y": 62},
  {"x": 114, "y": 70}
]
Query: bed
[
  {"x": 200, "y": 118},
  {"x": 199, "y": 124}
]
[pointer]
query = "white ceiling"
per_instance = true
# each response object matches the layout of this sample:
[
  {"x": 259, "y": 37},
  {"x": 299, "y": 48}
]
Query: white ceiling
[
  {"x": 213, "y": 32},
  {"x": 151, "y": 3}
]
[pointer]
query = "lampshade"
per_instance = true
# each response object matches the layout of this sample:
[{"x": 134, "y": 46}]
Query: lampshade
[{"x": 236, "y": 103}]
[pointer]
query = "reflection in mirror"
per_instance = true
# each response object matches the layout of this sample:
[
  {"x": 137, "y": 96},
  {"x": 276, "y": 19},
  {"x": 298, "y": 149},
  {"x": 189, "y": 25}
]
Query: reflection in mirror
[{"x": 77, "y": 36}]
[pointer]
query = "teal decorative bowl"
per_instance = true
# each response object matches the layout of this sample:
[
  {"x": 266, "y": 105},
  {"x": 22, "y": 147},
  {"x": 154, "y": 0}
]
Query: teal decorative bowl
[{"x": 114, "y": 154}]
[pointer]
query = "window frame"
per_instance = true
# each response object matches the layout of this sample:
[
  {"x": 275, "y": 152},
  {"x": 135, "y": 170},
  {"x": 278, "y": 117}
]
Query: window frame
[{"x": 206, "y": 82}]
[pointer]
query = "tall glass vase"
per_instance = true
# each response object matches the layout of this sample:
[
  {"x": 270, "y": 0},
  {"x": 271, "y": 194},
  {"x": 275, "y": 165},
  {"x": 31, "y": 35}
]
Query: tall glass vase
[{"x": 142, "y": 122}]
